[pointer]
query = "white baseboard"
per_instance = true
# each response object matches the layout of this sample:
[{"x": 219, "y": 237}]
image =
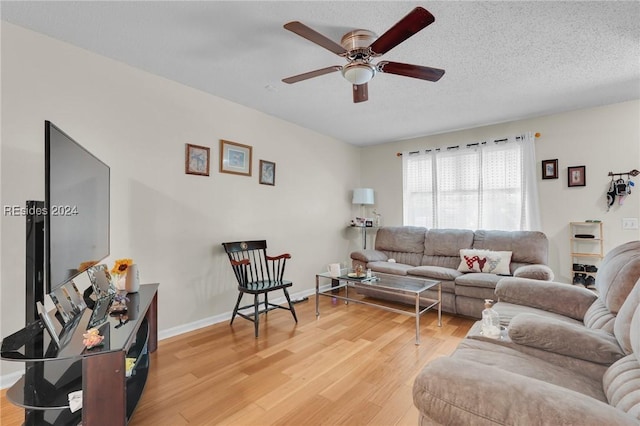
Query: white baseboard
[
  {"x": 205, "y": 322},
  {"x": 8, "y": 380}
]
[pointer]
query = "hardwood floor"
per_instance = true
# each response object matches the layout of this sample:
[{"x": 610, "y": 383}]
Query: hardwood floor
[{"x": 354, "y": 365}]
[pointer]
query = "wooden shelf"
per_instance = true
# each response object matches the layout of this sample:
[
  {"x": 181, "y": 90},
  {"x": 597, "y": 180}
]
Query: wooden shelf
[{"x": 594, "y": 246}]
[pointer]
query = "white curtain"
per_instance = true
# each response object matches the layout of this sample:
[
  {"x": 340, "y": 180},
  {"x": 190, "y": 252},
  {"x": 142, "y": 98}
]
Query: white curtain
[{"x": 482, "y": 186}]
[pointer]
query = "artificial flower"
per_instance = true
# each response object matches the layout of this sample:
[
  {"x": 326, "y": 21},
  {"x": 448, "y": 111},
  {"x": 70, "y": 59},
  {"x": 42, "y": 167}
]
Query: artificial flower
[
  {"x": 121, "y": 265},
  {"x": 120, "y": 298},
  {"x": 92, "y": 338},
  {"x": 86, "y": 265}
]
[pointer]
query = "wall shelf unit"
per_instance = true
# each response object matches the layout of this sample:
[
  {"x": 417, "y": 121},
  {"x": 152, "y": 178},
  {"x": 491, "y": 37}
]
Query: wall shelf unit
[{"x": 587, "y": 250}]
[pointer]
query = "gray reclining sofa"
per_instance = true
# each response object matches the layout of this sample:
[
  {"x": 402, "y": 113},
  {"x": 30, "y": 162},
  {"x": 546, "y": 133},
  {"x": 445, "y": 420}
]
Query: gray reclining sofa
[
  {"x": 567, "y": 356},
  {"x": 435, "y": 254}
]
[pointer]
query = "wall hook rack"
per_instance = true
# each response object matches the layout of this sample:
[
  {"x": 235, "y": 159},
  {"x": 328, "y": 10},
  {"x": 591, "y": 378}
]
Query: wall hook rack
[{"x": 633, "y": 172}]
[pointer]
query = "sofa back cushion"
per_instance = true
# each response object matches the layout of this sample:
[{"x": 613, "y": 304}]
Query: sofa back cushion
[
  {"x": 442, "y": 246},
  {"x": 528, "y": 247},
  {"x": 405, "y": 244},
  {"x": 621, "y": 381},
  {"x": 599, "y": 316},
  {"x": 618, "y": 273},
  {"x": 622, "y": 325}
]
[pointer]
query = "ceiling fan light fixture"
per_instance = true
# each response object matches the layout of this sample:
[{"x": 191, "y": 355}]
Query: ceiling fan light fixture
[{"x": 358, "y": 73}]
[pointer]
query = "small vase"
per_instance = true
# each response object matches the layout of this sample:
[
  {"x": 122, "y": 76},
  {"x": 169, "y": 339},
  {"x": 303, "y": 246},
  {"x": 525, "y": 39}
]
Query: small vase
[
  {"x": 120, "y": 281},
  {"x": 132, "y": 283}
]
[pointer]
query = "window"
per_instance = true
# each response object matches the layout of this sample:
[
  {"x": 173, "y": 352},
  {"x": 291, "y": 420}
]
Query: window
[{"x": 486, "y": 186}]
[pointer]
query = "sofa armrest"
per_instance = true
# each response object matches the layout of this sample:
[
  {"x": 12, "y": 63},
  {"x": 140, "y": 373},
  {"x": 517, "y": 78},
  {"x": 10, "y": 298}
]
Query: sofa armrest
[
  {"x": 559, "y": 298},
  {"x": 367, "y": 256},
  {"x": 561, "y": 337},
  {"x": 534, "y": 272},
  {"x": 452, "y": 391}
]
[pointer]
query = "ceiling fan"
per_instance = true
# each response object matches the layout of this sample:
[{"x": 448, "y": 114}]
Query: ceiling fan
[{"x": 359, "y": 47}]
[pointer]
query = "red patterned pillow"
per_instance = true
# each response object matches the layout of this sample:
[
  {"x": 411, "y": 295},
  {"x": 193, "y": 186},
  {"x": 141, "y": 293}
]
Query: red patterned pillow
[{"x": 490, "y": 262}]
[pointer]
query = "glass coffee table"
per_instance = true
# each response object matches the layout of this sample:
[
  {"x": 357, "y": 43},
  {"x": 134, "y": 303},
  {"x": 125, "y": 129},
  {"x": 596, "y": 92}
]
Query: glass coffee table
[{"x": 385, "y": 283}]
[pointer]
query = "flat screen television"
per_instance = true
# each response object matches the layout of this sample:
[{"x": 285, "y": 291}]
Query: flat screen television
[{"x": 76, "y": 219}]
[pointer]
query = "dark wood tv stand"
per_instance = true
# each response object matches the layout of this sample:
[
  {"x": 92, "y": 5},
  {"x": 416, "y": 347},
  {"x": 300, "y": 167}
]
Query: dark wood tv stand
[{"x": 109, "y": 397}]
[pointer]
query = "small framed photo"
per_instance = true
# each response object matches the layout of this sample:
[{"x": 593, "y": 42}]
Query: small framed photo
[
  {"x": 101, "y": 281},
  {"x": 267, "y": 172},
  {"x": 577, "y": 176},
  {"x": 550, "y": 169},
  {"x": 64, "y": 313},
  {"x": 48, "y": 323},
  {"x": 196, "y": 160},
  {"x": 61, "y": 298}
]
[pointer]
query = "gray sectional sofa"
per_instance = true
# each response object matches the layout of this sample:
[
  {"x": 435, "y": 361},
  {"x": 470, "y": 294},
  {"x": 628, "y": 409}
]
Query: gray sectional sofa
[
  {"x": 436, "y": 254},
  {"x": 568, "y": 356}
]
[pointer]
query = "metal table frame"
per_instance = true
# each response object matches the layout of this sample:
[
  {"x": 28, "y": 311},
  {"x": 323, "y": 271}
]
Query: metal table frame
[{"x": 384, "y": 283}]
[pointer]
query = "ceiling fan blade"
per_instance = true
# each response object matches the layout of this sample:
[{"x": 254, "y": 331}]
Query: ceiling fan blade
[
  {"x": 311, "y": 74},
  {"x": 312, "y": 35},
  {"x": 415, "y": 21},
  {"x": 360, "y": 92},
  {"x": 408, "y": 70}
]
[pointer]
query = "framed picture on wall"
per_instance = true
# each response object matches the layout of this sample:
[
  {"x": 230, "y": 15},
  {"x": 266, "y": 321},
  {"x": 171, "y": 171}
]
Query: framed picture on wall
[
  {"x": 577, "y": 176},
  {"x": 196, "y": 160},
  {"x": 235, "y": 158},
  {"x": 550, "y": 169},
  {"x": 267, "y": 172}
]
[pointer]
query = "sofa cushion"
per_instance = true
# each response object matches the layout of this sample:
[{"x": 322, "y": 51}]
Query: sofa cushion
[
  {"x": 478, "y": 279},
  {"x": 534, "y": 272},
  {"x": 508, "y": 311},
  {"x": 488, "y": 261},
  {"x": 622, "y": 385},
  {"x": 617, "y": 274},
  {"x": 442, "y": 246},
  {"x": 409, "y": 239},
  {"x": 622, "y": 325},
  {"x": 621, "y": 382},
  {"x": 528, "y": 247},
  {"x": 546, "y": 295},
  {"x": 508, "y": 359},
  {"x": 389, "y": 267},
  {"x": 461, "y": 392},
  {"x": 435, "y": 272},
  {"x": 369, "y": 256},
  {"x": 564, "y": 338},
  {"x": 599, "y": 317},
  {"x": 404, "y": 244},
  {"x": 475, "y": 296}
]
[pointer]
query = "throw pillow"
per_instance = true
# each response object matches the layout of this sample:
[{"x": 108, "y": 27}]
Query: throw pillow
[{"x": 491, "y": 262}]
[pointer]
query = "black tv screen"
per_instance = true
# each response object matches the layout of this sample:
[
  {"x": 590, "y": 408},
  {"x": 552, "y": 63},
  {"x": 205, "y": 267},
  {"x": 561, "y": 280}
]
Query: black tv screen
[{"x": 77, "y": 208}]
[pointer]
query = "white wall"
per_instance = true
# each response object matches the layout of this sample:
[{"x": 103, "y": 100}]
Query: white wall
[
  {"x": 604, "y": 139},
  {"x": 170, "y": 223}
]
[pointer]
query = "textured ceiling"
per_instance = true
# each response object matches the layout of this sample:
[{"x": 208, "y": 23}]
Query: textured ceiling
[{"x": 503, "y": 60}]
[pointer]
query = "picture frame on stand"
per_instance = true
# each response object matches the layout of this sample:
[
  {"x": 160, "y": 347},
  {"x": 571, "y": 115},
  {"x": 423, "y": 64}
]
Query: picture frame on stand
[
  {"x": 75, "y": 296},
  {"x": 62, "y": 300},
  {"x": 101, "y": 282},
  {"x": 48, "y": 323}
]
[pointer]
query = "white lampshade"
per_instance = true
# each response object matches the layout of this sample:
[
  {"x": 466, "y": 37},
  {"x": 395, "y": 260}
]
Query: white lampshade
[
  {"x": 362, "y": 196},
  {"x": 358, "y": 73}
]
